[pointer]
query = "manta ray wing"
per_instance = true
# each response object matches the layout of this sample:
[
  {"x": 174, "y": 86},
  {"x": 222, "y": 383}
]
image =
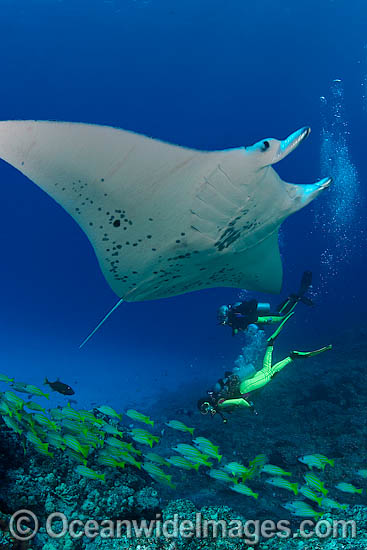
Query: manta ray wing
[{"x": 163, "y": 220}]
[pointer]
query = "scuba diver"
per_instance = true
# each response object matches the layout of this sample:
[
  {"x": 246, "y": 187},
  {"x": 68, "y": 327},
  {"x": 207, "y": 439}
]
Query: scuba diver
[
  {"x": 231, "y": 392},
  {"x": 240, "y": 315}
]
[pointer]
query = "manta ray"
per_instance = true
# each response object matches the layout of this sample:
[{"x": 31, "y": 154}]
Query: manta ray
[{"x": 163, "y": 219}]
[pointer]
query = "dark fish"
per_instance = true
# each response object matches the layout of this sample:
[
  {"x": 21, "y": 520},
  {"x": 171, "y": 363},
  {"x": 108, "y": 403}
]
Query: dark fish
[{"x": 60, "y": 387}]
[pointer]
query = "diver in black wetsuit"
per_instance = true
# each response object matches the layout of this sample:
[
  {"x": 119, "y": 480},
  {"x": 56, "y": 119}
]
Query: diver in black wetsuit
[{"x": 240, "y": 315}]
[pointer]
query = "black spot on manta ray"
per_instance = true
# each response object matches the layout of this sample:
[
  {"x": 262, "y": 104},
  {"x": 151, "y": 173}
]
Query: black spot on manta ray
[
  {"x": 229, "y": 236},
  {"x": 116, "y": 223}
]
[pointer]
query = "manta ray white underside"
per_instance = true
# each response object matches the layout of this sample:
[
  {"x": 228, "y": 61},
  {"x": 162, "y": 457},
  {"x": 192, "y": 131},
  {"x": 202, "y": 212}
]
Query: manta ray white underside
[{"x": 164, "y": 220}]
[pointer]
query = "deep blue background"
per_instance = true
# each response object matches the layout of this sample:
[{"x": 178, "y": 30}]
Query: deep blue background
[{"x": 203, "y": 73}]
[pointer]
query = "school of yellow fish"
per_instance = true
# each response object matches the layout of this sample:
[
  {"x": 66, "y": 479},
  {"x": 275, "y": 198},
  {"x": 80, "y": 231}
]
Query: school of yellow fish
[{"x": 82, "y": 435}]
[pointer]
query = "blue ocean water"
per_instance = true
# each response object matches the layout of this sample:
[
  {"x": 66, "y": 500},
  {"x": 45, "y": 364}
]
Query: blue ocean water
[
  {"x": 202, "y": 74},
  {"x": 208, "y": 75}
]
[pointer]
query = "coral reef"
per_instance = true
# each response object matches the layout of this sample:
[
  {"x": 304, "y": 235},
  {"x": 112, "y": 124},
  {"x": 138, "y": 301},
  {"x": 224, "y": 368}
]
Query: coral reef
[{"x": 315, "y": 407}]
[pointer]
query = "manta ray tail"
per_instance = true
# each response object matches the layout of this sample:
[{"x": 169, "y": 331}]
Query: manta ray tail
[{"x": 101, "y": 323}]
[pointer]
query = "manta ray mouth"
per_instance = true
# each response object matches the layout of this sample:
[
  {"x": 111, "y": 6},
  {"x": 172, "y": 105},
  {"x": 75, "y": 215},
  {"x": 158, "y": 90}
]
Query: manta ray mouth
[{"x": 291, "y": 142}]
